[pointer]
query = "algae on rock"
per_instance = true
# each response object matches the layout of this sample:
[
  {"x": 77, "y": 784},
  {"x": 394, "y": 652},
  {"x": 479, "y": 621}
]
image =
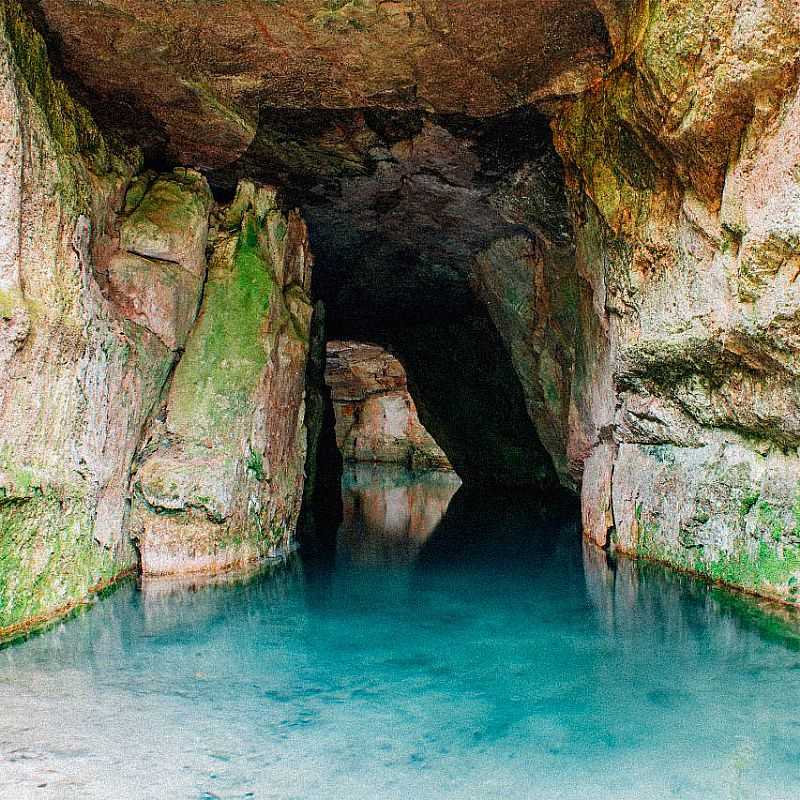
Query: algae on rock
[
  {"x": 80, "y": 369},
  {"x": 222, "y": 482}
]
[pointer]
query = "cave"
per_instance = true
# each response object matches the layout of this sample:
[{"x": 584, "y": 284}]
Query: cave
[
  {"x": 395, "y": 228},
  {"x": 464, "y": 335}
]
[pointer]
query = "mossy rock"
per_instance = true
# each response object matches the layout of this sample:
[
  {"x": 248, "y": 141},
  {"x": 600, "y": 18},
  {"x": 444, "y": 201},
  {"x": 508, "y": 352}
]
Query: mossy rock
[{"x": 48, "y": 558}]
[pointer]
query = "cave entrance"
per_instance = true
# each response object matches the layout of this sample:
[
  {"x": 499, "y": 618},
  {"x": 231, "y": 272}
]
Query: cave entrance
[{"x": 448, "y": 241}]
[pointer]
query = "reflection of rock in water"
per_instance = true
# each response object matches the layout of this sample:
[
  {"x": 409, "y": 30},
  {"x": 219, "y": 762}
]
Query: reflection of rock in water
[
  {"x": 389, "y": 511},
  {"x": 191, "y": 601},
  {"x": 627, "y": 595}
]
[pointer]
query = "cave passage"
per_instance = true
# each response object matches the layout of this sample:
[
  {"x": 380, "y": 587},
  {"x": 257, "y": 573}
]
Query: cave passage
[
  {"x": 399, "y": 222},
  {"x": 423, "y": 375}
]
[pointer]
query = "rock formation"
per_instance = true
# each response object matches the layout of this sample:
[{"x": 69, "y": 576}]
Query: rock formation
[
  {"x": 221, "y": 467},
  {"x": 109, "y": 372},
  {"x": 376, "y": 419},
  {"x": 576, "y": 223},
  {"x": 683, "y": 173}
]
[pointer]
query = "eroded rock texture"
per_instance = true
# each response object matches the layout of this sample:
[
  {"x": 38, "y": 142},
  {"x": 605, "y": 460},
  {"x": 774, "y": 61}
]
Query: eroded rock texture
[
  {"x": 78, "y": 376},
  {"x": 101, "y": 275},
  {"x": 684, "y": 170},
  {"x": 577, "y": 224},
  {"x": 202, "y": 70},
  {"x": 376, "y": 419},
  {"x": 221, "y": 477}
]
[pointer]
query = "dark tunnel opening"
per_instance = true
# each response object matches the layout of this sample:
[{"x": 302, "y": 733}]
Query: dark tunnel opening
[{"x": 399, "y": 205}]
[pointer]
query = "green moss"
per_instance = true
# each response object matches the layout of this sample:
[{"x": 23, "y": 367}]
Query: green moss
[
  {"x": 770, "y": 521},
  {"x": 568, "y": 299},
  {"x": 208, "y": 97},
  {"x": 748, "y": 501},
  {"x": 69, "y": 123},
  {"x": 48, "y": 558},
  {"x": 770, "y": 569},
  {"x": 74, "y": 141},
  {"x": 551, "y": 393},
  {"x": 337, "y": 15},
  {"x": 767, "y": 566},
  {"x": 255, "y": 465},
  {"x": 226, "y": 352},
  {"x": 136, "y": 192},
  {"x": 9, "y": 303},
  {"x": 173, "y": 203}
]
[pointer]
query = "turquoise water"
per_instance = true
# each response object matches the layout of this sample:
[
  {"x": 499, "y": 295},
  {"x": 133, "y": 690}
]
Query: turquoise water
[{"x": 488, "y": 657}]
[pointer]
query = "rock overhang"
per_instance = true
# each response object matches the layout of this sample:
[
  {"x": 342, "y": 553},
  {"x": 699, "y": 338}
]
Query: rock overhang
[{"x": 190, "y": 77}]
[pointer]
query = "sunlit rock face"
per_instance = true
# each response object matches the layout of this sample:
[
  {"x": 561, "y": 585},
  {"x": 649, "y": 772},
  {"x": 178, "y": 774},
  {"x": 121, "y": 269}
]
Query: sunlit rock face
[{"x": 376, "y": 419}]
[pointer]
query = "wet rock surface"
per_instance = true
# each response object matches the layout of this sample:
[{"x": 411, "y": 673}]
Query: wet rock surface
[
  {"x": 221, "y": 474},
  {"x": 683, "y": 173}
]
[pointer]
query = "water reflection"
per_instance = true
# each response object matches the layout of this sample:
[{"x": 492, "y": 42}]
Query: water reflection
[
  {"x": 628, "y": 595},
  {"x": 489, "y": 655},
  {"x": 389, "y": 512}
]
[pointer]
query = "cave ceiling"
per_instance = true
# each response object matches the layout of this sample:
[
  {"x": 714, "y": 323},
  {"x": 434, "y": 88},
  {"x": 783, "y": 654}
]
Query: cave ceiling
[
  {"x": 409, "y": 133},
  {"x": 193, "y": 75}
]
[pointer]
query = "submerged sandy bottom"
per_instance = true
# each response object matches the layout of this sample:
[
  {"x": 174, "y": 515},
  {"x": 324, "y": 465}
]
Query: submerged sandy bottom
[{"x": 489, "y": 658}]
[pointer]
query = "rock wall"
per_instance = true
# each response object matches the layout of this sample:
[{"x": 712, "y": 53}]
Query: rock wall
[
  {"x": 647, "y": 319},
  {"x": 684, "y": 172},
  {"x": 101, "y": 274},
  {"x": 221, "y": 474},
  {"x": 376, "y": 419}
]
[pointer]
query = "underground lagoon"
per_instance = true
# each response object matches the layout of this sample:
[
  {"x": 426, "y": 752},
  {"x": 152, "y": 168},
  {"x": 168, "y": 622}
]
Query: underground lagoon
[{"x": 399, "y": 399}]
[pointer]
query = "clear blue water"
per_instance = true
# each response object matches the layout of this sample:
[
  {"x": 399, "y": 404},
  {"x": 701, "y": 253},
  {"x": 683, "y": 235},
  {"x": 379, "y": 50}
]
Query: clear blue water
[{"x": 488, "y": 657}]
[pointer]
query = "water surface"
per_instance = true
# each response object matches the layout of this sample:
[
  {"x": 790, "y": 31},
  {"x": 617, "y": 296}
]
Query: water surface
[{"x": 487, "y": 656}]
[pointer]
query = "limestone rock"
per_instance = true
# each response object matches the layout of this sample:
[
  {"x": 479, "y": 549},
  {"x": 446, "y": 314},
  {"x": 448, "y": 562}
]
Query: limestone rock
[
  {"x": 221, "y": 478},
  {"x": 684, "y": 170},
  {"x": 169, "y": 221},
  {"x": 78, "y": 375},
  {"x": 186, "y": 76},
  {"x": 376, "y": 419},
  {"x": 157, "y": 295}
]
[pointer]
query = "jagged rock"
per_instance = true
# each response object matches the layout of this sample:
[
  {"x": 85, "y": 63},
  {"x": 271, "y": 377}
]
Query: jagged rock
[
  {"x": 376, "y": 419},
  {"x": 683, "y": 169},
  {"x": 221, "y": 479},
  {"x": 77, "y": 377}
]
